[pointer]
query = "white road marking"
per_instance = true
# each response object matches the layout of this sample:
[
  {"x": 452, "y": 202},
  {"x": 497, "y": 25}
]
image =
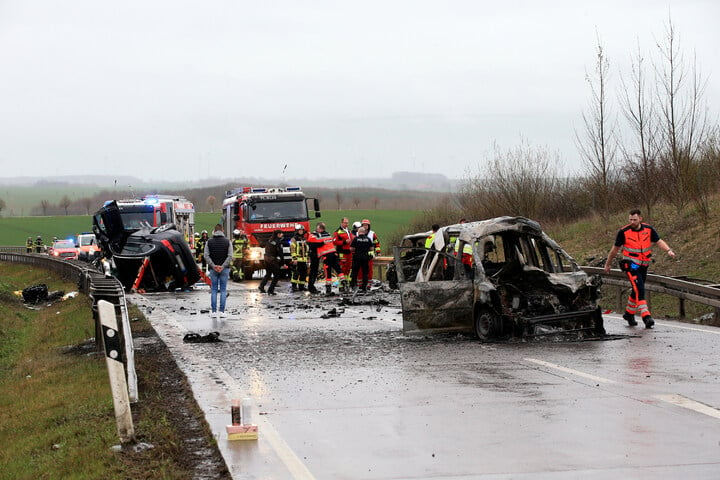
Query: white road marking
[
  {"x": 672, "y": 325},
  {"x": 685, "y": 402},
  {"x": 167, "y": 328},
  {"x": 570, "y": 371},
  {"x": 295, "y": 466}
]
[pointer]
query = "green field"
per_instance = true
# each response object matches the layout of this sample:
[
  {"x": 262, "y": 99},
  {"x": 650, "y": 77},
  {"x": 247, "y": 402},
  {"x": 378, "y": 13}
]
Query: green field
[{"x": 15, "y": 230}]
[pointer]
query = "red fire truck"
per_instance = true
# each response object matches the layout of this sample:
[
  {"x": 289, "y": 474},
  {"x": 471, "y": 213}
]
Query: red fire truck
[{"x": 258, "y": 211}]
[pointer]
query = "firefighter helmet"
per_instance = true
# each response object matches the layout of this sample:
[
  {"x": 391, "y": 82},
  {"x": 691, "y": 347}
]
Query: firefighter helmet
[
  {"x": 197, "y": 234},
  {"x": 365, "y": 220},
  {"x": 204, "y": 231},
  {"x": 236, "y": 232},
  {"x": 357, "y": 225},
  {"x": 299, "y": 227}
]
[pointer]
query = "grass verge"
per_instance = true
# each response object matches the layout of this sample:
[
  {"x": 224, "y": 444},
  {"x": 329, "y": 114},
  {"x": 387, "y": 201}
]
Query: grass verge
[{"x": 56, "y": 410}]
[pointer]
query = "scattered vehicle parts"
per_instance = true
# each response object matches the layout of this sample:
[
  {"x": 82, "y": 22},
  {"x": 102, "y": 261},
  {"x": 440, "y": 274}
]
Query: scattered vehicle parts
[
  {"x": 499, "y": 277},
  {"x": 211, "y": 337},
  {"x": 143, "y": 257}
]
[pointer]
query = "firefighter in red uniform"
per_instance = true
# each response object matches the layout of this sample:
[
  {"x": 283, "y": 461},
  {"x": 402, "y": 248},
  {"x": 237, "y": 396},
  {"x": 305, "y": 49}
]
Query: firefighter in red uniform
[
  {"x": 636, "y": 240},
  {"x": 325, "y": 246},
  {"x": 343, "y": 238}
]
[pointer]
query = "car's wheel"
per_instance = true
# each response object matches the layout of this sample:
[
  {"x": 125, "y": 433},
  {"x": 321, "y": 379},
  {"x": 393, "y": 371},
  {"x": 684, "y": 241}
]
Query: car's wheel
[{"x": 487, "y": 324}]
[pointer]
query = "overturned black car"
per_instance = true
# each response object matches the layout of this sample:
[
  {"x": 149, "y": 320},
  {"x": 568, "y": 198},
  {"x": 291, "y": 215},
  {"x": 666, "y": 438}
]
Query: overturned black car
[
  {"x": 145, "y": 258},
  {"x": 500, "y": 277}
]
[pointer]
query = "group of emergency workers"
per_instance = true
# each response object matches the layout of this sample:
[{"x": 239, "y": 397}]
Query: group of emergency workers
[
  {"x": 37, "y": 245},
  {"x": 346, "y": 254}
]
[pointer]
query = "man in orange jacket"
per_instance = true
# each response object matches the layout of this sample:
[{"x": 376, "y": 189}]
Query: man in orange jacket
[
  {"x": 636, "y": 240},
  {"x": 343, "y": 237},
  {"x": 325, "y": 246}
]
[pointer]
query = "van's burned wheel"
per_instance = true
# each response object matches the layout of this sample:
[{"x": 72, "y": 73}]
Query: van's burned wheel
[{"x": 487, "y": 324}]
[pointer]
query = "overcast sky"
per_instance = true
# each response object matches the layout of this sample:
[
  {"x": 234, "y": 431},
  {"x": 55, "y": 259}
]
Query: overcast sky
[{"x": 179, "y": 90}]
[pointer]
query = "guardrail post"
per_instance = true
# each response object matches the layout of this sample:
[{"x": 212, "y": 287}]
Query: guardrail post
[
  {"x": 681, "y": 307},
  {"x": 116, "y": 371}
]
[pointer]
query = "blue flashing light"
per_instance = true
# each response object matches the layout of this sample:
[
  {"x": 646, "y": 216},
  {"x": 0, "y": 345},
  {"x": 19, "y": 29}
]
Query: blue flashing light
[
  {"x": 151, "y": 201},
  {"x": 259, "y": 190},
  {"x": 293, "y": 189}
]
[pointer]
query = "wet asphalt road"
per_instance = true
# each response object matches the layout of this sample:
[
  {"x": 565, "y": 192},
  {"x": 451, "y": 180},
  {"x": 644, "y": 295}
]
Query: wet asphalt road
[{"x": 351, "y": 397}]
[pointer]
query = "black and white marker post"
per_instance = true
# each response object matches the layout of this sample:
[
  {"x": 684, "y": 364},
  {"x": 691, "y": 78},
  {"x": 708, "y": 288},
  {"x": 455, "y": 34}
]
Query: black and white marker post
[{"x": 116, "y": 370}]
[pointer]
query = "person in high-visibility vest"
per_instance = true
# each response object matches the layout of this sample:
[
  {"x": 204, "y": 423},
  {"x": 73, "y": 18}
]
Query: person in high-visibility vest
[
  {"x": 39, "y": 245},
  {"x": 200, "y": 249},
  {"x": 239, "y": 244},
  {"x": 29, "y": 245},
  {"x": 343, "y": 238},
  {"x": 361, "y": 246},
  {"x": 466, "y": 258},
  {"x": 635, "y": 240},
  {"x": 325, "y": 245},
  {"x": 431, "y": 238},
  {"x": 374, "y": 252},
  {"x": 299, "y": 252}
]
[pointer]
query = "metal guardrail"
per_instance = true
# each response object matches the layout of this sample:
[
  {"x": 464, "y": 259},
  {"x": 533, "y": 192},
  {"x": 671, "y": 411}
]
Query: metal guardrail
[
  {"x": 97, "y": 287},
  {"x": 704, "y": 293}
]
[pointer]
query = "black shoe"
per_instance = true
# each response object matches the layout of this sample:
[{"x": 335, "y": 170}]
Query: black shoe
[
  {"x": 270, "y": 292},
  {"x": 312, "y": 289},
  {"x": 262, "y": 289},
  {"x": 301, "y": 288},
  {"x": 648, "y": 321},
  {"x": 294, "y": 287},
  {"x": 630, "y": 319}
]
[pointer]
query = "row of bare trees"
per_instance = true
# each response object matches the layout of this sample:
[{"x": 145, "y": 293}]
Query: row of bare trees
[{"x": 667, "y": 147}]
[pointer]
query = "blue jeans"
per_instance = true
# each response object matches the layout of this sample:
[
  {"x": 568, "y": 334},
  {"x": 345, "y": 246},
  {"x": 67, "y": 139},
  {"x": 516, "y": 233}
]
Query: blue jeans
[{"x": 218, "y": 280}]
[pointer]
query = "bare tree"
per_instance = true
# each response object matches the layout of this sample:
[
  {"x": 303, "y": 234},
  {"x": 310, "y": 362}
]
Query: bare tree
[
  {"x": 521, "y": 181},
  {"x": 356, "y": 202},
  {"x": 211, "y": 201},
  {"x": 338, "y": 199},
  {"x": 65, "y": 203},
  {"x": 684, "y": 117},
  {"x": 86, "y": 203},
  {"x": 375, "y": 201},
  {"x": 2, "y": 205},
  {"x": 598, "y": 145},
  {"x": 44, "y": 205},
  {"x": 640, "y": 165}
]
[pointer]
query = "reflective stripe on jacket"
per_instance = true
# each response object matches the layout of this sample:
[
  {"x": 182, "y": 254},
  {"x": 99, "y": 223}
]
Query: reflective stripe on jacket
[
  {"x": 638, "y": 243},
  {"x": 299, "y": 249}
]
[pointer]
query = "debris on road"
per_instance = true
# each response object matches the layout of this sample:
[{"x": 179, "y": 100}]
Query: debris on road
[{"x": 211, "y": 337}]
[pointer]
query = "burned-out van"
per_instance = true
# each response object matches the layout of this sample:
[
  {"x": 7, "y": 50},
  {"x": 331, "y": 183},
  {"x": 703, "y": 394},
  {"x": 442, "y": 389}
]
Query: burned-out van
[
  {"x": 499, "y": 277},
  {"x": 145, "y": 258}
]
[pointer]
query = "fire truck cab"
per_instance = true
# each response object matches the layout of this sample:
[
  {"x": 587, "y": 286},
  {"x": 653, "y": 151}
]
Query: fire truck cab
[
  {"x": 258, "y": 211},
  {"x": 157, "y": 210}
]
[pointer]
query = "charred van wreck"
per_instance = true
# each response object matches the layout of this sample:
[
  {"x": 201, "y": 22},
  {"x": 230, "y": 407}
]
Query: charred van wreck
[
  {"x": 499, "y": 277},
  {"x": 144, "y": 258}
]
